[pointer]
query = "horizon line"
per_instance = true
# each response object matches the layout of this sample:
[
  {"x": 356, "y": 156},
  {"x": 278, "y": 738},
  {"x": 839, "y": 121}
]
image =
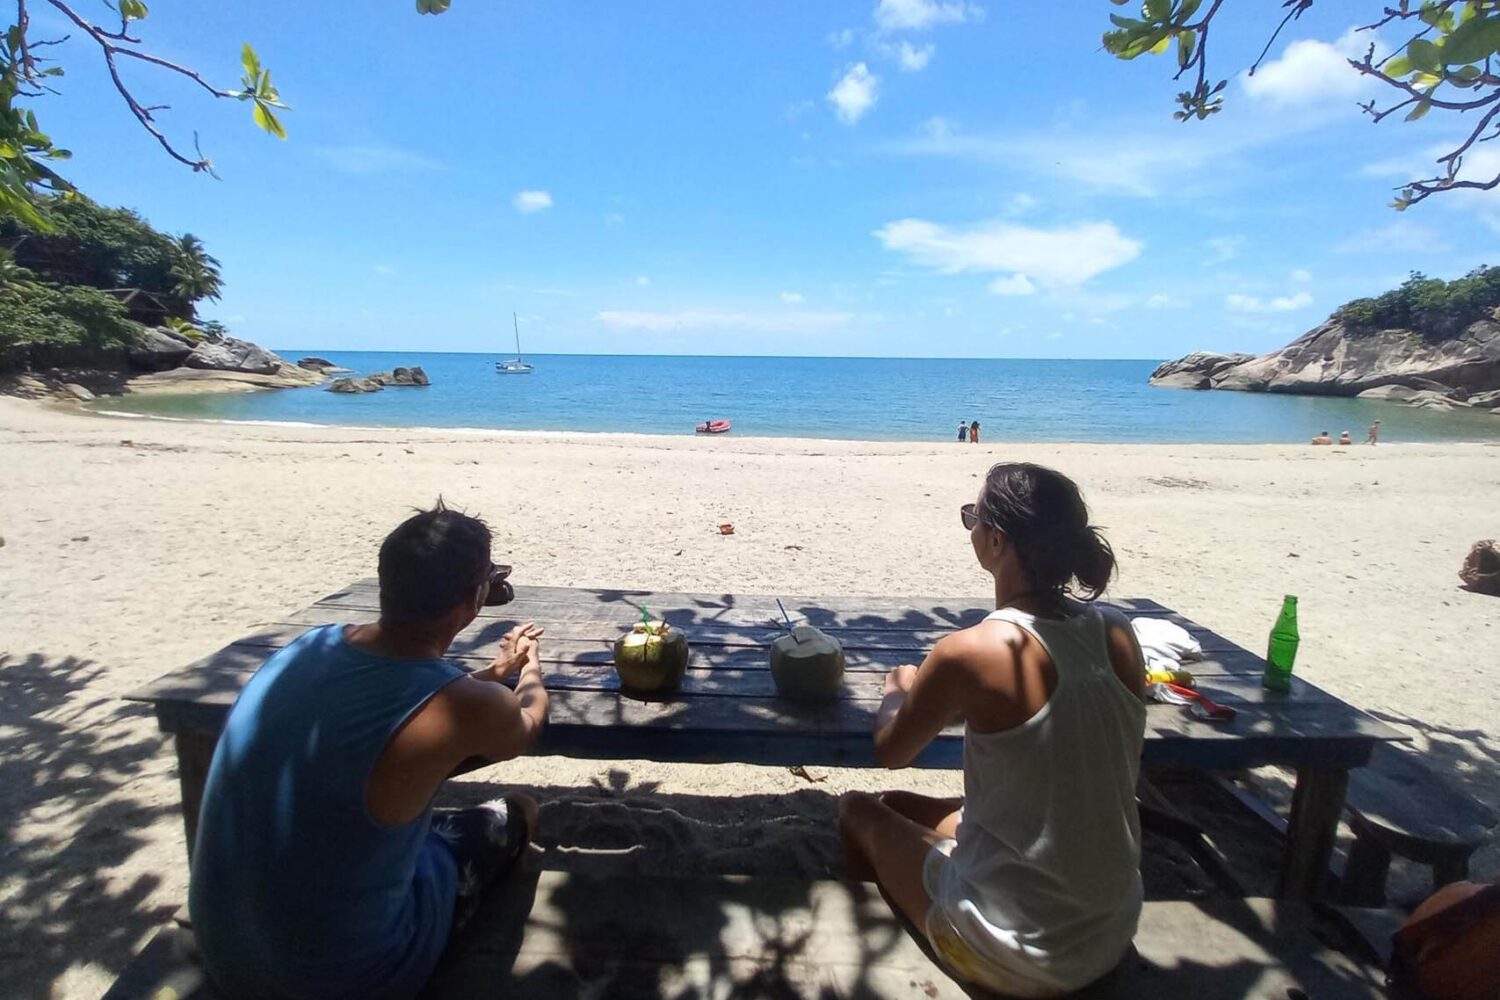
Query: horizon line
[{"x": 648, "y": 354}]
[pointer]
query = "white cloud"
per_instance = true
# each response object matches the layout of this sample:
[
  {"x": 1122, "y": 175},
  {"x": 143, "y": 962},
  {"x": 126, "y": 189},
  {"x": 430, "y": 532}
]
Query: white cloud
[
  {"x": 1140, "y": 162},
  {"x": 913, "y": 59},
  {"x": 1255, "y": 304},
  {"x": 713, "y": 319},
  {"x": 792, "y": 298},
  {"x": 1064, "y": 257},
  {"x": 1020, "y": 203},
  {"x": 1401, "y": 237},
  {"x": 614, "y": 219},
  {"x": 374, "y": 159},
  {"x": 1301, "y": 275},
  {"x": 528, "y": 202},
  {"x": 384, "y": 269},
  {"x": 919, "y": 15},
  {"x": 1223, "y": 248},
  {"x": 1163, "y": 301},
  {"x": 841, "y": 39},
  {"x": 1311, "y": 72},
  {"x": 1016, "y": 284},
  {"x": 642, "y": 281},
  {"x": 855, "y": 94}
]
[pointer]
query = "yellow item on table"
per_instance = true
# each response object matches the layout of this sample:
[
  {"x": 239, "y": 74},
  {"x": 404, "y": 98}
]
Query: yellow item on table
[{"x": 1183, "y": 677}]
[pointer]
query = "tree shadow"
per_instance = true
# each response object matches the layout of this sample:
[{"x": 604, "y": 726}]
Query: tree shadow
[{"x": 62, "y": 907}]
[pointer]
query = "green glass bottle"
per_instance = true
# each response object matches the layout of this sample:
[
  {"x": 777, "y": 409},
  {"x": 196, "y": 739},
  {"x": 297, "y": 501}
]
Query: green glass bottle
[{"x": 1282, "y": 652}]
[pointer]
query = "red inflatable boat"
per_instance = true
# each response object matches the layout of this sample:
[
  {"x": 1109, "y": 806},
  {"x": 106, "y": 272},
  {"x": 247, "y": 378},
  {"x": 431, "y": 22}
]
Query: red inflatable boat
[{"x": 713, "y": 427}]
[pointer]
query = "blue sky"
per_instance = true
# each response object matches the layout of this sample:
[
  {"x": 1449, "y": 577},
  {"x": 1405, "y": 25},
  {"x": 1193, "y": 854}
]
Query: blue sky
[{"x": 892, "y": 177}]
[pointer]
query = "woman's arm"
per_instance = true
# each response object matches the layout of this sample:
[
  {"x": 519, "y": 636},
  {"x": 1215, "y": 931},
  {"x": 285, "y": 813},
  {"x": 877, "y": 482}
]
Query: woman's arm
[{"x": 919, "y": 702}]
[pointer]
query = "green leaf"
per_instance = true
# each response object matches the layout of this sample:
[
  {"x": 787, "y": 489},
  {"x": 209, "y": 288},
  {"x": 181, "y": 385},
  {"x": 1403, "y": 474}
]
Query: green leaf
[
  {"x": 1424, "y": 55},
  {"x": 1157, "y": 10},
  {"x": 1187, "y": 41},
  {"x": 1421, "y": 109},
  {"x": 1472, "y": 42},
  {"x": 1397, "y": 67},
  {"x": 267, "y": 121},
  {"x": 1465, "y": 76},
  {"x": 432, "y": 6},
  {"x": 133, "y": 10},
  {"x": 1128, "y": 23},
  {"x": 250, "y": 61}
]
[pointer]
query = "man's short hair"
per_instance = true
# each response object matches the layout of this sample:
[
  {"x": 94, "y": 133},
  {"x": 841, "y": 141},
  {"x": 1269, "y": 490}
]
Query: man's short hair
[{"x": 432, "y": 560}]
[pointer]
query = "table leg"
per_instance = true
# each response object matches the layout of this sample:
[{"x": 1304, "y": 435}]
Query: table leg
[
  {"x": 195, "y": 751},
  {"x": 1317, "y": 804}
]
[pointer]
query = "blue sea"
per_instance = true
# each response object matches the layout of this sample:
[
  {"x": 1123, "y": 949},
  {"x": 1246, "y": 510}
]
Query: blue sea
[{"x": 849, "y": 398}]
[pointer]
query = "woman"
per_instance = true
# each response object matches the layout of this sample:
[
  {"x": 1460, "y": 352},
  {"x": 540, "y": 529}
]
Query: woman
[
  {"x": 974, "y": 432},
  {"x": 1030, "y": 885}
]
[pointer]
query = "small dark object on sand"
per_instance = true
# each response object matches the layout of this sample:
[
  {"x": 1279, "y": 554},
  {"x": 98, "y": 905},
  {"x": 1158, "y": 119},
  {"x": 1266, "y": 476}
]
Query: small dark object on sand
[{"x": 1481, "y": 572}]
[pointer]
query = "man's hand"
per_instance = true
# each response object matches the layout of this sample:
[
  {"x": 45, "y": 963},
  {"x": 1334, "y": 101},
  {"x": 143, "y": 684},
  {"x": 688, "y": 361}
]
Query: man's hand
[
  {"x": 519, "y": 646},
  {"x": 901, "y": 679}
]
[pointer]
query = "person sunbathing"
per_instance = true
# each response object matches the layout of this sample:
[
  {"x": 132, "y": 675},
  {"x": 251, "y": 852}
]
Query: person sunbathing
[
  {"x": 1030, "y": 885},
  {"x": 320, "y": 868},
  {"x": 1344, "y": 438},
  {"x": 1322, "y": 438}
]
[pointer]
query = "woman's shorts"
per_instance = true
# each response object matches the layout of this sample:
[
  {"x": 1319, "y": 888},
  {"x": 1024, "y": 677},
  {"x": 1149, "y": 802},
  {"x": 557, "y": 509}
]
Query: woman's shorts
[{"x": 960, "y": 959}]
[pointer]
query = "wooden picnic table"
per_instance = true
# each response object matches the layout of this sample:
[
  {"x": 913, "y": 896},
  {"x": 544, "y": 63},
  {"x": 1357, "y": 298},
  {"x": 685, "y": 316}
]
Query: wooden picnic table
[{"x": 727, "y": 709}]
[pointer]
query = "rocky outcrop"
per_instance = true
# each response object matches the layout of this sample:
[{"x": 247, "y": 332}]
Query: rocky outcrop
[
  {"x": 413, "y": 376},
  {"x": 158, "y": 349},
  {"x": 227, "y": 354},
  {"x": 1197, "y": 370},
  {"x": 322, "y": 366},
  {"x": 355, "y": 385},
  {"x": 202, "y": 380},
  {"x": 1332, "y": 360}
]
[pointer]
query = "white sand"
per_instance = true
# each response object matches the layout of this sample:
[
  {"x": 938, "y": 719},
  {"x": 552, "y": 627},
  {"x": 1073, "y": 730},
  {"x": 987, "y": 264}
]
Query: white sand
[{"x": 134, "y": 546}]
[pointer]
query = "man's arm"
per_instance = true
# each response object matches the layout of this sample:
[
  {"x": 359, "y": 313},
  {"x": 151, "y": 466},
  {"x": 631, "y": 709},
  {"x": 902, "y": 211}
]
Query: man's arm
[{"x": 492, "y": 721}]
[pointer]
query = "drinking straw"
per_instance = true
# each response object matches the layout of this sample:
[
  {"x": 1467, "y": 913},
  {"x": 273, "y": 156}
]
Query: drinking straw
[{"x": 784, "y": 614}]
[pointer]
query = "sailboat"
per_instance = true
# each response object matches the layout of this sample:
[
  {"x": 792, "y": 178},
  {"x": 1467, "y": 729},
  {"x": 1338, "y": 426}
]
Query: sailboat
[{"x": 515, "y": 366}]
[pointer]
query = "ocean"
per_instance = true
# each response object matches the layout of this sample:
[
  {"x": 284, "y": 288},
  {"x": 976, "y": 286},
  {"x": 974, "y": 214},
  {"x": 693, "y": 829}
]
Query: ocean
[{"x": 883, "y": 399}]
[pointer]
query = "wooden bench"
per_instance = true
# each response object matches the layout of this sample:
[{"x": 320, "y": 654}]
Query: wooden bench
[
  {"x": 554, "y": 935},
  {"x": 1397, "y": 805}
]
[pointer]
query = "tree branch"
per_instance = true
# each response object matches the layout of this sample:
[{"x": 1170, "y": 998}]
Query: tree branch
[{"x": 110, "y": 45}]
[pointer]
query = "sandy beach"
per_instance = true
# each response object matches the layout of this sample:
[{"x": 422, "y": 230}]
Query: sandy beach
[{"x": 132, "y": 547}]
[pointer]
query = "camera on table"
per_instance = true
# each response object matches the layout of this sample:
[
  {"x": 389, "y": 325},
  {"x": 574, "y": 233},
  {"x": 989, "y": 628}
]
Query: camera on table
[{"x": 501, "y": 592}]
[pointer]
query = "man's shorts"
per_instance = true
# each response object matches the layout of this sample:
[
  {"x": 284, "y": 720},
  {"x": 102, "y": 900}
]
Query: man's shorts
[{"x": 486, "y": 842}]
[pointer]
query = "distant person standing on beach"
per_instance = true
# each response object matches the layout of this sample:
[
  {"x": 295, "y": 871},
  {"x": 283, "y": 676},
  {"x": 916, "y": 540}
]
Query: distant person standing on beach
[
  {"x": 1374, "y": 437},
  {"x": 974, "y": 432},
  {"x": 963, "y": 432}
]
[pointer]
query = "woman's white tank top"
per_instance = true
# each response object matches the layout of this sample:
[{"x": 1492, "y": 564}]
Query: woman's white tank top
[{"x": 1047, "y": 865}]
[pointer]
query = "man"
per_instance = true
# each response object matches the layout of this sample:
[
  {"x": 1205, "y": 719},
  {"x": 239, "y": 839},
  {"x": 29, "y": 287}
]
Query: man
[
  {"x": 320, "y": 869},
  {"x": 963, "y": 432},
  {"x": 1322, "y": 438},
  {"x": 1374, "y": 437}
]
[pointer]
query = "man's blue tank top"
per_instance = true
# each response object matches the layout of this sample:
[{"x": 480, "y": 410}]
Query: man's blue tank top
[{"x": 297, "y": 890}]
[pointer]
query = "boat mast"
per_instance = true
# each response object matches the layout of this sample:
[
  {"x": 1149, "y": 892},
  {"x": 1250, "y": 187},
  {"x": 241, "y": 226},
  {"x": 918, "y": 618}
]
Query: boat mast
[{"x": 516, "y": 323}]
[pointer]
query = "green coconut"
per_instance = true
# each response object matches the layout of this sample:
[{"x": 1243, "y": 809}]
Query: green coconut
[
  {"x": 651, "y": 658},
  {"x": 807, "y": 665}
]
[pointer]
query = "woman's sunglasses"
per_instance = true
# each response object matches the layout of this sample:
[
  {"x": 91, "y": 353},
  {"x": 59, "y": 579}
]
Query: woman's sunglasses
[{"x": 969, "y": 514}]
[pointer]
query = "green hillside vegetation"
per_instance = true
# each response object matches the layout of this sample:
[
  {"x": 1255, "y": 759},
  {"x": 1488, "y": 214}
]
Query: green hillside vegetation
[
  {"x": 1437, "y": 309},
  {"x": 77, "y": 292}
]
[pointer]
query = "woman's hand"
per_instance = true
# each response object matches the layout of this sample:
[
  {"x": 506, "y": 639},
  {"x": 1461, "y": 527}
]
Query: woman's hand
[{"x": 518, "y": 647}]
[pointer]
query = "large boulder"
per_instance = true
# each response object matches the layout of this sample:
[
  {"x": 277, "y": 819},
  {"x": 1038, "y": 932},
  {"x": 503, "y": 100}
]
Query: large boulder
[
  {"x": 401, "y": 376},
  {"x": 1331, "y": 360},
  {"x": 158, "y": 349},
  {"x": 355, "y": 385},
  {"x": 1197, "y": 370},
  {"x": 227, "y": 354}
]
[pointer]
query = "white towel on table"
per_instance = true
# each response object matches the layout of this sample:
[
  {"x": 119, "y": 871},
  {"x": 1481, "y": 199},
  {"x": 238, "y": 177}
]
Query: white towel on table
[{"x": 1165, "y": 645}]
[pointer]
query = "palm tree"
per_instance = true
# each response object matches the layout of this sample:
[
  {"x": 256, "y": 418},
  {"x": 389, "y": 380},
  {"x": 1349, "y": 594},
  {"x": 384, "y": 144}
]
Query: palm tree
[{"x": 195, "y": 272}]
